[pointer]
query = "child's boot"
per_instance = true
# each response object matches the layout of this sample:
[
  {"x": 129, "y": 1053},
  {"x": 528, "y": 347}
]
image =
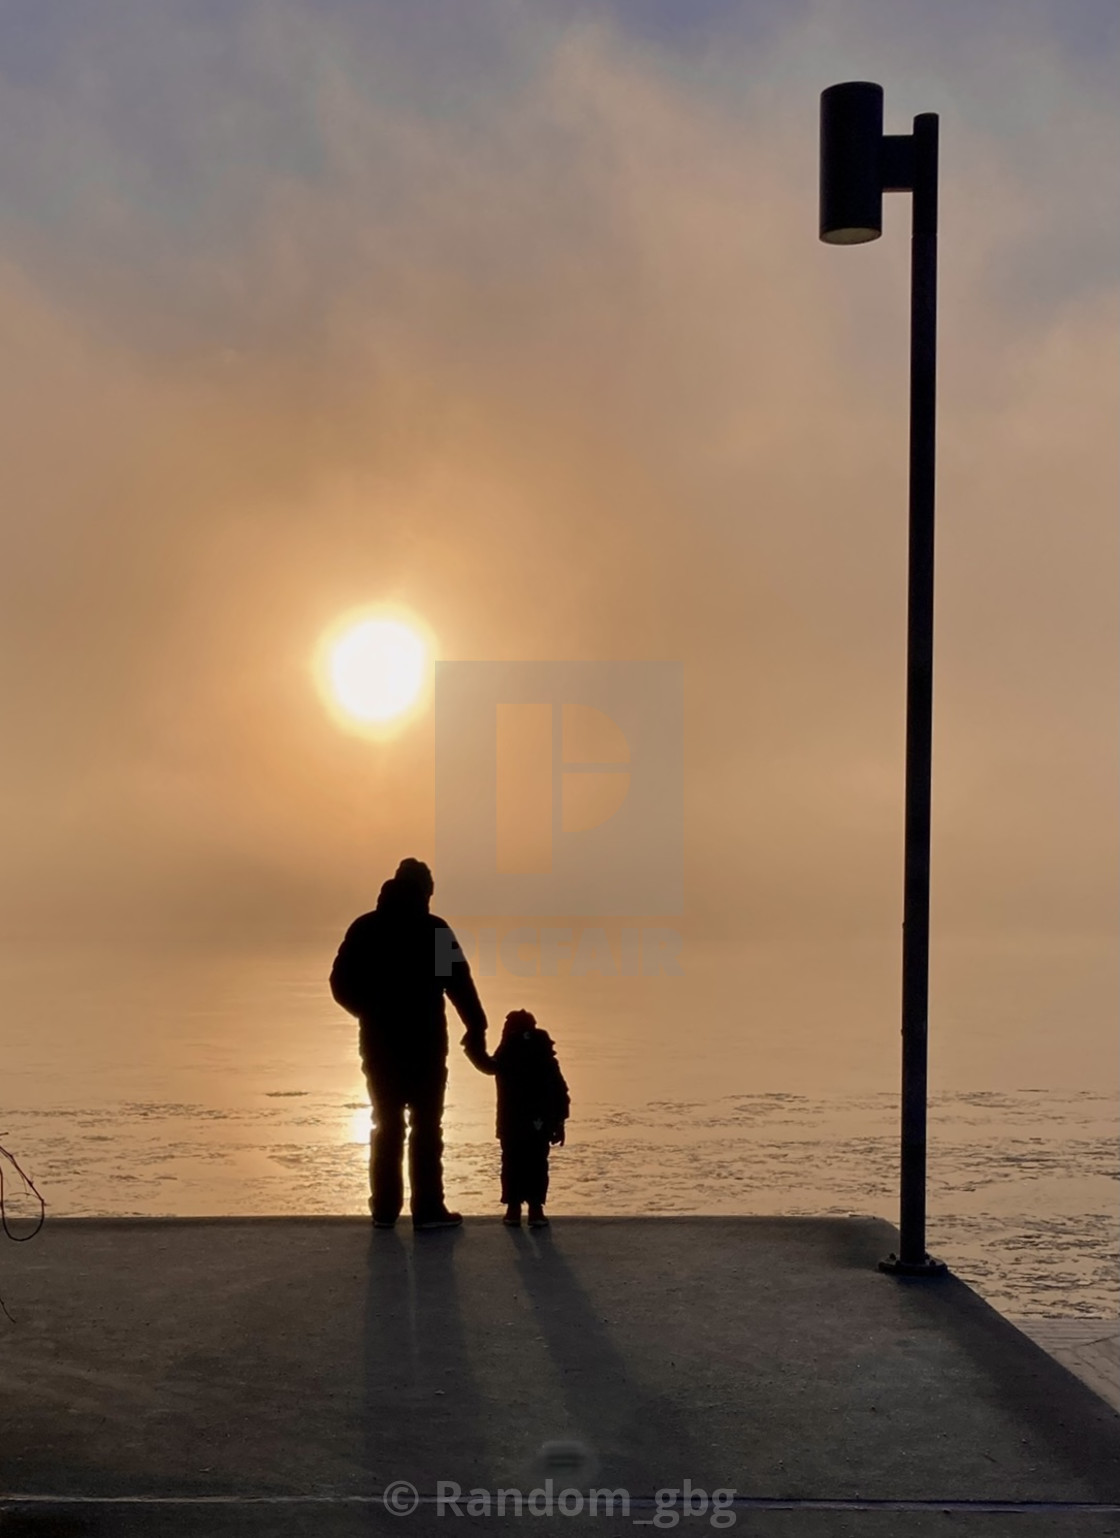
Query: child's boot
[
  {"x": 537, "y": 1218},
  {"x": 512, "y": 1218}
]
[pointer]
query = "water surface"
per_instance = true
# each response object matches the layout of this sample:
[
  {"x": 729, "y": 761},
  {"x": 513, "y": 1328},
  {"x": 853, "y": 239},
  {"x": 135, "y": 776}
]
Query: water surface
[{"x": 211, "y": 1083}]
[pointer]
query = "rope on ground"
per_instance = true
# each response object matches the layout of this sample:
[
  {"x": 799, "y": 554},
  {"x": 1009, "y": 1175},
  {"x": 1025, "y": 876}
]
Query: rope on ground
[{"x": 29, "y": 1185}]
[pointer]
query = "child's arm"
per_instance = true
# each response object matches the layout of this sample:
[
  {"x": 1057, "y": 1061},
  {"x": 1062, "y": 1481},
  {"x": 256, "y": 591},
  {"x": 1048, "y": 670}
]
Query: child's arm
[
  {"x": 562, "y": 1102},
  {"x": 563, "y": 1098}
]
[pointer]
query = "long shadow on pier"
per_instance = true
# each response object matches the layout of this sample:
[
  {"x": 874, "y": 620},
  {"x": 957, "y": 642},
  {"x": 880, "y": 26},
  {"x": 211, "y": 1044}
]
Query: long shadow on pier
[
  {"x": 623, "y": 1428},
  {"x": 420, "y": 1389},
  {"x": 275, "y": 1376}
]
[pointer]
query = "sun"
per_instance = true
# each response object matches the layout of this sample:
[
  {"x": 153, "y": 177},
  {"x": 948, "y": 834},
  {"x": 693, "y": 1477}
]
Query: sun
[
  {"x": 377, "y": 669},
  {"x": 373, "y": 669}
]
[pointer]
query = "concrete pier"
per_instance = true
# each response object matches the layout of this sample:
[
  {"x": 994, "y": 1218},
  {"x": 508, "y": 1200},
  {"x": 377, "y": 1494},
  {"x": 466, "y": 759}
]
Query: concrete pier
[
  {"x": 280, "y": 1376},
  {"x": 1090, "y": 1348}
]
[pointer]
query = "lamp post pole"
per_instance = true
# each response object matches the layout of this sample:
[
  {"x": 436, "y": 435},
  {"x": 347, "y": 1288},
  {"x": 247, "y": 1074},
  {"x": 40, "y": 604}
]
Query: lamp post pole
[{"x": 858, "y": 164}]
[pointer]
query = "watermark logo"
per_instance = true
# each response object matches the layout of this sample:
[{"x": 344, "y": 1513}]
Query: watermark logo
[
  {"x": 666, "y": 1508},
  {"x": 559, "y": 787}
]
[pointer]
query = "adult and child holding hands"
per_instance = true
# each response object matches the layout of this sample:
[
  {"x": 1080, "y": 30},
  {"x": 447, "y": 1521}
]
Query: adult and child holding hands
[{"x": 393, "y": 970}]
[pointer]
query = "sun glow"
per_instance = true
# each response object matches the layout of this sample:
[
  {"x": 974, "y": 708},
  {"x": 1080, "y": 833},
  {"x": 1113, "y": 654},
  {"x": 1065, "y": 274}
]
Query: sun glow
[
  {"x": 373, "y": 669},
  {"x": 359, "y": 1125}
]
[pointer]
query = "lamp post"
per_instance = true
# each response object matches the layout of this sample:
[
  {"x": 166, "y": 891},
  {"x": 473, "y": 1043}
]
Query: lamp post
[{"x": 858, "y": 164}]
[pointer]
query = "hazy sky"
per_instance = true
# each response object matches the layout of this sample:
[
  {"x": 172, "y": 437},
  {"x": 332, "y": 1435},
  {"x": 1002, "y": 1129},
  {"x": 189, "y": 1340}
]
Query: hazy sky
[{"x": 515, "y": 313}]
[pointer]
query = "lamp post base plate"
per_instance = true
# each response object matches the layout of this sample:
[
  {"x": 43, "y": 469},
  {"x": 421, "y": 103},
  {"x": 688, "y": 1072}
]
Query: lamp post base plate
[{"x": 927, "y": 1266}]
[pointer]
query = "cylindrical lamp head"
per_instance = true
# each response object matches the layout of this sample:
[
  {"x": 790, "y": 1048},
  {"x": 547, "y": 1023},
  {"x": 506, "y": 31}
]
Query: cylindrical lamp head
[{"x": 851, "y": 169}]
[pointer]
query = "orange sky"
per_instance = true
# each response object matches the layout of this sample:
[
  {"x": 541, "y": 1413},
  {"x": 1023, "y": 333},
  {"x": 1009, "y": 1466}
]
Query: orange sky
[{"x": 527, "y": 327}]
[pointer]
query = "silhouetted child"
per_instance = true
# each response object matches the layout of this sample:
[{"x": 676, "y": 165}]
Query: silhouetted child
[{"x": 533, "y": 1106}]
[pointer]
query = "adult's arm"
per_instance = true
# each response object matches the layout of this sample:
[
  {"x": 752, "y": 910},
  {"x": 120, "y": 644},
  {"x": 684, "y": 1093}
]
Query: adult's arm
[
  {"x": 348, "y": 973},
  {"x": 461, "y": 990}
]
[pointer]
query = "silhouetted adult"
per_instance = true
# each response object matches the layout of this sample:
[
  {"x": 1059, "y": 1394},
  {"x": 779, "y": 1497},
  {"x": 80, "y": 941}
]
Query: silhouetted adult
[{"x": 392, "y": 970}]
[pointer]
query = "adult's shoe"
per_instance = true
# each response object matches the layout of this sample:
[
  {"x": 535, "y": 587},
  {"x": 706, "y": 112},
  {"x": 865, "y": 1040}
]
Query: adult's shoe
[{"x": 436, "y": 1220}]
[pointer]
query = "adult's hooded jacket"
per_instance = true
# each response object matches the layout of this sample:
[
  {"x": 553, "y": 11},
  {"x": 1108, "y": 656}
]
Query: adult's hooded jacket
[{"x": 393, "y": 970}]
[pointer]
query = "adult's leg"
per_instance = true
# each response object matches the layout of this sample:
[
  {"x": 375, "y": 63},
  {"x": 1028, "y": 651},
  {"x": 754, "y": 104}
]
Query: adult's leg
[
  {"x": 386, "y": 1151},
  {"x": 425, "y": 1139}
]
